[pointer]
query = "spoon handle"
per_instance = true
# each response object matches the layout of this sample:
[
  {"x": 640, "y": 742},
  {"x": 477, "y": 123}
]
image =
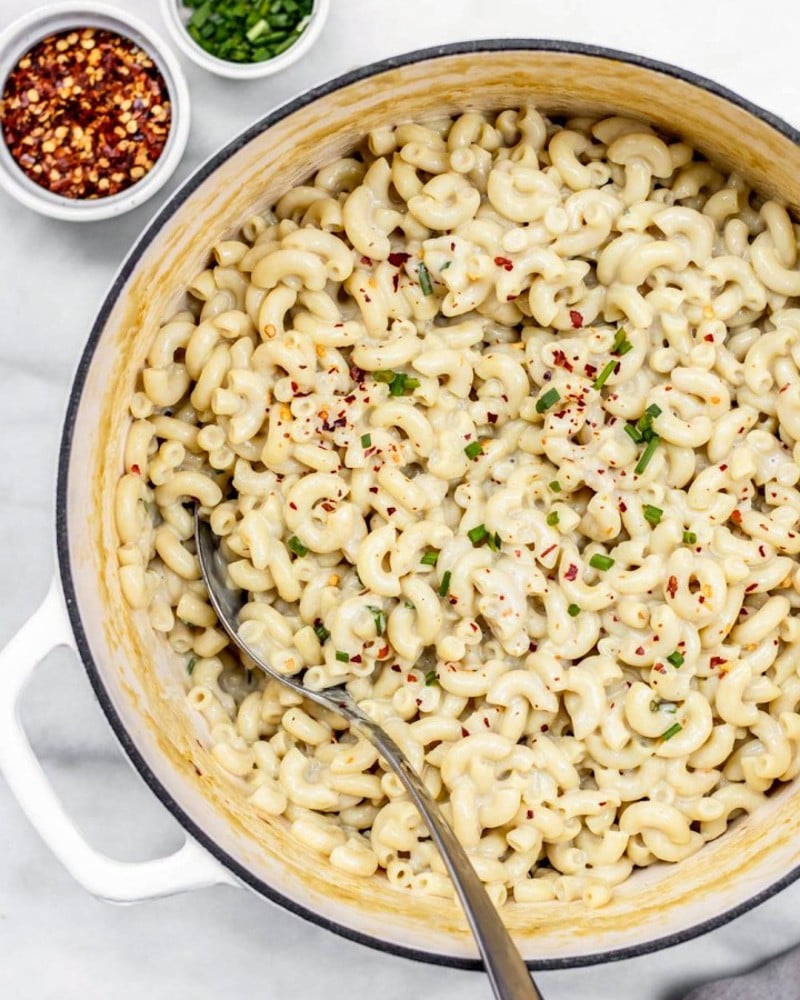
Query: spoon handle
[{"x": 507, "y": 973}]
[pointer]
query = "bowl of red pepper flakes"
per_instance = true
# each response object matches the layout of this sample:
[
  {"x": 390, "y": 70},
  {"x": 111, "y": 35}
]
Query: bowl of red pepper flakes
[{"x": 94, "y": 112}]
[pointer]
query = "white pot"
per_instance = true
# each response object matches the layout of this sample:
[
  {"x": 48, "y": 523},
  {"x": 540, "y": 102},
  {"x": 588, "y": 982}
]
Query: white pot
[{"x": 140, "y": 683}]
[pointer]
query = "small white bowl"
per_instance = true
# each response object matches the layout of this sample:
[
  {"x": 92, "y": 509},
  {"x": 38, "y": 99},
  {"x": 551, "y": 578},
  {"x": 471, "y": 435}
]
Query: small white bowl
[
  {"x": 175, "y": 16},
  {"x": 21, "y": 36}
]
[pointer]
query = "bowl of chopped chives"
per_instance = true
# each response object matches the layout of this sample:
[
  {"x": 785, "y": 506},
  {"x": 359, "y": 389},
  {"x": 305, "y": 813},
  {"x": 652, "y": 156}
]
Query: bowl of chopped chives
[{"x": 244, "y": 39}]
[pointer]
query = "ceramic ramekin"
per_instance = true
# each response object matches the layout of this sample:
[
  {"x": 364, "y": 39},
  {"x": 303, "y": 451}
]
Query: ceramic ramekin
[
  {"x": 21, "y": 36},
  {"x": 175, "y": 16}
]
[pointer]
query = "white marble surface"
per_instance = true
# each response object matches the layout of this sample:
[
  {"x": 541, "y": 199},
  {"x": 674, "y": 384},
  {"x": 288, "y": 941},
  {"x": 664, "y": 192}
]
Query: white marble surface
[{"x": 55, "y": 940}]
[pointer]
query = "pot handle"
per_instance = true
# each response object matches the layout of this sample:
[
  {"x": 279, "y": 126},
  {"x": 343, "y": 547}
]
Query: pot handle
[{"x": 190, "y": 867}]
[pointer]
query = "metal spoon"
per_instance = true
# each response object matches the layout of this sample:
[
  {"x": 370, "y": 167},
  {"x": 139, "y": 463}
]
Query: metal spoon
[{"x": 507, "y": 973}]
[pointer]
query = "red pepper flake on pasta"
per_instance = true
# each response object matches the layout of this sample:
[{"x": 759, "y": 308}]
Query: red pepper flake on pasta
[
  {"x": 576, "y": 319},
  {"x": 672, "y": 586},
  {"x": 397, "y": 258},
  {"x": 85, "y": 113},
  {"x": 505, "y": 263}
]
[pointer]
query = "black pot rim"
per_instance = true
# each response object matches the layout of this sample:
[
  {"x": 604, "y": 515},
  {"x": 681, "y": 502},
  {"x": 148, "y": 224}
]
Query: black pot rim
[{"x": 62, "y": 528}]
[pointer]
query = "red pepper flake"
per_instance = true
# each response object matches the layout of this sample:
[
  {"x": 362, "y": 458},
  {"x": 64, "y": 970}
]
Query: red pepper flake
[
  {"x": 492, "y": 418},
  {"x": 640, "y": 650},
  {"x": 548, "y": 550},
  {"x": 391, "y": 510},
  {"x": 464, "y": 731},
  {"x": 505, "y": 263},
  {"x": 659, "y": 668},
  {"x": 716, "y": 661},
  {"x": 572, "y": 572},
  {"x": 373, "y": 489},
  {"x": 395, "y": 667},
  {"x": 560, "y": 360},
  {"x": 356, "y": 658},
  {"x": 85, "y": 113},
  {"x": 623, "y": 507},
  {"x": 533, "y": 646},
  {"x": 136, "y": 470},
  {"x": 397, "y": 258},
  {"x": 709, "y": 337},
  {"x": 723, "y": 468},
  {"x": 762, "y": 552},
  {"x": 395, "y": 281},
  {"x": 736, "y": 516},
  {"x": 529, "y": 814},
  {"x": 576, "y": 319},
  {"x": 544, "y": 728},
  {"x": 292, "y": 505},
  {"x": 672, "y": 586},
  {"x": 329, "y": 508},
  {"x": 366, "y": 261}
]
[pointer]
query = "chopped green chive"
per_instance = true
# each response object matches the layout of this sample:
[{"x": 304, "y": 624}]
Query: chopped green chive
[
  {"x": 425, "y": 280},
  {"x": 191, "y": 665},
  {"x": 689, "y": 538},
  {"x": 654, "y": 705},
  {"x": 445, "y": 266},
  {"x": 444, "y": 586},
  {"x": 258, "y": 29},
  {"x": 473, "y": 449},
  {"x": 342, "y": 657},
  {"x": 552, "y": 518},
  {"x": 621, "y": 344},
  {"x": 430, "y": 558},
  {"x": 604, "y": 375},
  {"x": 477, "y": 534},
  {"x": 652, "y": 514},
  {"x": 599, "y": 561},
  {"x": 295, "y": 545},
  {"x": 399, "y": 383},
  {"x": 321, "y": 633},
  {"x": 379, "y": 617},
  {"x": 644, "y": 423},
  {"x": 647, "y": 454},
  {"x": 673, "y": 730},
  {"x": 366, "y": 440},
  {"x": 573, "y": 610},
  {"x": 409, "y": 605},
  {"x": 633, "y": 433},
  {"x": 676, "y": 659},
  {"x": 494, "y": 542},
  {"x": 430, "y": 678},
  {"x": 548, "y": 399},
  {"x": 555, "y": 486}
]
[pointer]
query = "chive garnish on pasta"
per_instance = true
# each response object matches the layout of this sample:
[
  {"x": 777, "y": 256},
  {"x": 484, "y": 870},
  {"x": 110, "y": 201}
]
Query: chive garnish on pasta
[
  {"x": 546, "y": 400},
  {"x": 295, "y": 545},
  {"x": 647, "y": 454},
  {"x": 425, "y": 280}
]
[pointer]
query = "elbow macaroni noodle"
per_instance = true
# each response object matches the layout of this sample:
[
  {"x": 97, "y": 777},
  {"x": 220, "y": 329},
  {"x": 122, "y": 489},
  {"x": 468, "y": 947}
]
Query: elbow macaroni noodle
[{"x": 498, "y": 421}]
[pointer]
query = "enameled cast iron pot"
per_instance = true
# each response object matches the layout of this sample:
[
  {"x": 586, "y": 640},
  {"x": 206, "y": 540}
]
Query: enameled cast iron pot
[{"x": 140, "y": 683}]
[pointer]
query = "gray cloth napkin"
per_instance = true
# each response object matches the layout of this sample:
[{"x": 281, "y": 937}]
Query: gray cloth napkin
[{"x": 777, "y": 980}]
